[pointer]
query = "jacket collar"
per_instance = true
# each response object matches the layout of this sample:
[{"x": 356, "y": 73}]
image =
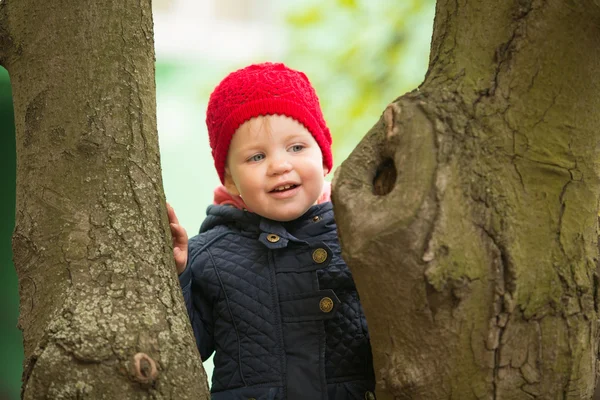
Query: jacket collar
[{"x": 316, "y": 221}]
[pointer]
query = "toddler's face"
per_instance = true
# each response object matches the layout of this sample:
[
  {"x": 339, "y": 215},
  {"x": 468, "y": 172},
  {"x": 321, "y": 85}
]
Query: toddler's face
[{"x": 276, "y": 165}]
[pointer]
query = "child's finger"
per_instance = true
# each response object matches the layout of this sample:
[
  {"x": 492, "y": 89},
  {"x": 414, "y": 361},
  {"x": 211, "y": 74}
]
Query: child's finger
[
  {"x": 178, "y": 233},
  {"x": 175, "y": 231},
  {"x": 177, "y": 253},
  {"x": 171, "y": 214},
  {"x": 180, "y": 257}
]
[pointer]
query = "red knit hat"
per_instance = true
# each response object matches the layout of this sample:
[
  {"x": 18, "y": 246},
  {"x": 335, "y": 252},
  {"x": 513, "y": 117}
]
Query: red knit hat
[{"x": 263, "y": 89}]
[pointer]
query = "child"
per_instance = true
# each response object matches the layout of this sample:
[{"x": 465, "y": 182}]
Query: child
[{"x": 264, "y": 282}]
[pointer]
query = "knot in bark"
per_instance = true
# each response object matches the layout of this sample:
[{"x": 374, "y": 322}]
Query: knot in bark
[{"x": 144, "y": 369}]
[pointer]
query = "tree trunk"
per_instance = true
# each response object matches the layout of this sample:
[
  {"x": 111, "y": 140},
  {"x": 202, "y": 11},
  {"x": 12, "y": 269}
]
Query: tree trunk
[
  {"x": 469, "y": 213},
  {"x": 101, "y": 310}
]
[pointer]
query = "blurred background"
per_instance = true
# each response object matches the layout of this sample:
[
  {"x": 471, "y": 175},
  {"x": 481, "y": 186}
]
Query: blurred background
[{"x": 359, "y": 54}]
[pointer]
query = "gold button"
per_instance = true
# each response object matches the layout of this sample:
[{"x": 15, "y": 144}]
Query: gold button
[
  {"x": 369, "y": 396},
  {"x": 273, "y": 238},
  {"x": 319, "y": 255},
  {"x": 326, "y": 304},
  {"x": 316, "y": 218}
]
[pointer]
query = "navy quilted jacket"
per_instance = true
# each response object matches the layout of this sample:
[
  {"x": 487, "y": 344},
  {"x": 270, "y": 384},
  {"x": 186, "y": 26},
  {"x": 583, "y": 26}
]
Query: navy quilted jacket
[{"x": 278, "y": 304}]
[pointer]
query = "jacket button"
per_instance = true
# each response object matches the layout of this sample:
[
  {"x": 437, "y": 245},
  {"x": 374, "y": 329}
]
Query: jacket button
[
  {"x": 316, "y": 218},
  {"x": 326, "y": 304},
  {"x": 369, "y": 395},
  {"x": 319, "y": 256},
  {"x": 273, "y": 238}
]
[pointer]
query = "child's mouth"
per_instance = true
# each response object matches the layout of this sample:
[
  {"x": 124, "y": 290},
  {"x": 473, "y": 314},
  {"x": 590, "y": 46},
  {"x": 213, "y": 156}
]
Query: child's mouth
[{"x": 283, "y": 188}]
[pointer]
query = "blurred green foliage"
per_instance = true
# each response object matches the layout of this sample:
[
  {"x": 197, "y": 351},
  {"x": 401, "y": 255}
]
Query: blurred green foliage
[
  {"x": 11, "y": 346},
  {"x": 360, "y": 55}
]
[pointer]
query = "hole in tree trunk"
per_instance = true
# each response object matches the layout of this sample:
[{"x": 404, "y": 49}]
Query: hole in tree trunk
[{"x": 385, "y": 177}]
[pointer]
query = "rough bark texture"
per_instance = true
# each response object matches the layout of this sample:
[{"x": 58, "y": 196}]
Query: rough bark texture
[
  {"x": 476, "y": 260},
  {"x": 101, "y": 309}
]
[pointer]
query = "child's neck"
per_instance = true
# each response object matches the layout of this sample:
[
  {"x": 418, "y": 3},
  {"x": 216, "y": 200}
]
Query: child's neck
[{"x": 223, "y": 197}]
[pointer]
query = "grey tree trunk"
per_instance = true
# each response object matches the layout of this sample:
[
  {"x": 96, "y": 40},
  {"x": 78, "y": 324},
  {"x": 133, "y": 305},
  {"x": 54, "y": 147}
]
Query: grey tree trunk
[
  {"x": 101, "y": 310},
  {"x": 469, "y": 213}
]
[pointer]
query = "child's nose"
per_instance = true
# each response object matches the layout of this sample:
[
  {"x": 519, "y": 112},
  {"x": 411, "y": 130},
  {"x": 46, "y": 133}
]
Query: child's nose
[{"x": 280, "y": 166}]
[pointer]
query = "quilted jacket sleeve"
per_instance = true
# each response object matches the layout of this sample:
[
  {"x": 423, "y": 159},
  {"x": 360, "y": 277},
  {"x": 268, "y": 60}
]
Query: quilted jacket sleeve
[{"x": 197, "y": 303}]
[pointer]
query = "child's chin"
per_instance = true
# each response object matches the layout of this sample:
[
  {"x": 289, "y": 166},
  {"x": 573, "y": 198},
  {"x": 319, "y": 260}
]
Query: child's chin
[{"x": 284, "y": 216}]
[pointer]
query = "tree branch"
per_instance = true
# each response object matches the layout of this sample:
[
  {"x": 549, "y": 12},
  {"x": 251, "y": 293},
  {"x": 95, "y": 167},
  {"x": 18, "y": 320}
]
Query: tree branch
[{"x": 5, "y": 39}]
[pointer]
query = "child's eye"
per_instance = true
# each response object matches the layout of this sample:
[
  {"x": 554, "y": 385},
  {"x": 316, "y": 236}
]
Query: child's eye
[
  {"x": 256, "y": 157},
  {"x": 296, "y": 148}
]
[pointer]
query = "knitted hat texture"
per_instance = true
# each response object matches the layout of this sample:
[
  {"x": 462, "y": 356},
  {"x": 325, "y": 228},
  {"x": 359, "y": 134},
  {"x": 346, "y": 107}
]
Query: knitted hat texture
[{"x": 263, "y": 89}]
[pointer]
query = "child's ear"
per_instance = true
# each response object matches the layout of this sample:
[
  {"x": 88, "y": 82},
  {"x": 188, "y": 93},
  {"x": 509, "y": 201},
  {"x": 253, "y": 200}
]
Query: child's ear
[
  {"x": 325, "y": 170},
  {"x": 230, "y": 184}
]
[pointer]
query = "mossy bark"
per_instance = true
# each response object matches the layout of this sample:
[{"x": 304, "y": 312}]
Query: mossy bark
[
  {"x": 469, "y": 213},
  {"x": 101, "y": 309}
]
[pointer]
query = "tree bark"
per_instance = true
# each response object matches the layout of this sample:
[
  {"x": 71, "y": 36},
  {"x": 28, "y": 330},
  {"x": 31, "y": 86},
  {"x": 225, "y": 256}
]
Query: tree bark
[
  {"x": 469, "y": 213},
  {"x": 101, "y": 309}
]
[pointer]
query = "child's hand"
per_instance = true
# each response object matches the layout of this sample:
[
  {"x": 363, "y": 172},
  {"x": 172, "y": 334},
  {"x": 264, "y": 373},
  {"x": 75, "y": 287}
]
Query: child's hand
[{"x": 180, "y": 240}]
